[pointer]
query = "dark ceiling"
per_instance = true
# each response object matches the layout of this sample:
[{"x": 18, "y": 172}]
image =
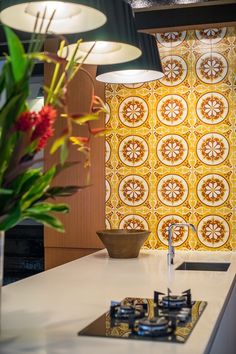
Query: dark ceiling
[
  {"x": 141, "y": 4},
  {"x": 184, "y": 13}
]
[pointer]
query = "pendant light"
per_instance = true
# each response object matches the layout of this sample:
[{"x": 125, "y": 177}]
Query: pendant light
[
  {"x": 69, "y": 16},
  {"x": 115, "y": 42},
  {"x": 145, "y": 68}
]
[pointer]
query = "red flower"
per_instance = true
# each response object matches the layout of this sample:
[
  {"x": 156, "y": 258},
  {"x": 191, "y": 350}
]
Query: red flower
[
  {"x": 43, "y": 140},
  {"x": 48, "y": 112},
  {"x": 43, "y": 130},
  {"x": 26, "y": 121}
]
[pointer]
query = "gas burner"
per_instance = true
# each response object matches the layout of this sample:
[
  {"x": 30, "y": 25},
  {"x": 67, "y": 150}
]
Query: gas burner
[
  {"x": 154, "y": 327},
  {"x": 121, "y": 311},
  {"x": 173, "y": 302},
  {"x": 184, "y": 315}
]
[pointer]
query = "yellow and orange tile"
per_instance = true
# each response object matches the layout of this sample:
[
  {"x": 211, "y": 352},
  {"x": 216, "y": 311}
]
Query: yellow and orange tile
[{"x": 171, "y": 147}]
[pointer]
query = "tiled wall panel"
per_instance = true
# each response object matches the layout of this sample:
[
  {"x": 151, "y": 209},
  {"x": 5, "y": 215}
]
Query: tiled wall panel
[{"x": 170, "y": 149}]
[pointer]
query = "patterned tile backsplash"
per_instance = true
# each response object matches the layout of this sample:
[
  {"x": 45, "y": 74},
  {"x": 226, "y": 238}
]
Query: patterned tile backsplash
[{"x": 171, "y": 144}]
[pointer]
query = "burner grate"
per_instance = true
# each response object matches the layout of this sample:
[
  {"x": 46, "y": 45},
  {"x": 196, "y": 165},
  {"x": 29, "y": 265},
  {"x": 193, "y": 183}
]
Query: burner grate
[{"x": 149, "y": 319}]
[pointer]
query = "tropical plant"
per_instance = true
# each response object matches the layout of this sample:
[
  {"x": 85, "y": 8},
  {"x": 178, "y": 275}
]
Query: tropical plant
[{"x": 25, "y": 189}]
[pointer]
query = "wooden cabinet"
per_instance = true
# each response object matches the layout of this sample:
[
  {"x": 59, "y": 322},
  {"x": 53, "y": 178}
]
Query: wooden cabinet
[{"x": 87, "y": 208}]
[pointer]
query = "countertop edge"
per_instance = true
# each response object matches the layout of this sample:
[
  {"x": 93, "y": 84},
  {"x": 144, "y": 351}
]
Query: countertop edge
[{"x": 218, "y": 321}]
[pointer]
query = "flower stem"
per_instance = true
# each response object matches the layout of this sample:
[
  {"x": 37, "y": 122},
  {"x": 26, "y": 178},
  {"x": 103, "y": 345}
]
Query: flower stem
[
  {"x": 68, "y": 66},
  {"x": 55, "y": 75}
]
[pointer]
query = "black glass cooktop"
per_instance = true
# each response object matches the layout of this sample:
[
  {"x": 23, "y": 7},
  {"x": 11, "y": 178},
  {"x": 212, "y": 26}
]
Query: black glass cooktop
[{"x": 167, "y": 319}]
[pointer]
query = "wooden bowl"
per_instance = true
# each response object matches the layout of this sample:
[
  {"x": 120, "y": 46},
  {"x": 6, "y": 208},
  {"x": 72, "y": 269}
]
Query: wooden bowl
[{"x": 123, "y": 243}]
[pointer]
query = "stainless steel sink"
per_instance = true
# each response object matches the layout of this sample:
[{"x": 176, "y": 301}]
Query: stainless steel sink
[{"x": 204, "y": 266}]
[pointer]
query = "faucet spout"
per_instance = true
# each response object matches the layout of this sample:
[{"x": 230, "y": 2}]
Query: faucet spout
[{"x": 171, "y": 249}]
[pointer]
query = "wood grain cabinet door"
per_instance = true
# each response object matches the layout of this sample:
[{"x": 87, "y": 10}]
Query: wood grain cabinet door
[{"x": 87, "y": 207}]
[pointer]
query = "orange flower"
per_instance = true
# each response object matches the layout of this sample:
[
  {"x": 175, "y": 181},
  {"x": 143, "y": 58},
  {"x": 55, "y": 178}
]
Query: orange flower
[{"x": 97, "y": 131}]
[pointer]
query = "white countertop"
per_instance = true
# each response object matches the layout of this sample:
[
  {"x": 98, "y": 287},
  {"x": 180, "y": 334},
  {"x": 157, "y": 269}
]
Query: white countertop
[{"x": 42, "y": 314}]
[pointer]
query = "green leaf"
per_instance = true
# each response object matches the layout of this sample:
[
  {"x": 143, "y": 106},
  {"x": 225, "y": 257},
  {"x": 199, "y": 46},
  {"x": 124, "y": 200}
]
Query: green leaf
[
  {"x": 8, "y": 115},
  {"x": 31, "y": 147},
  {"x": 10, "y": 107},
  {"x": 42, "y": 208},
  {"x": 6, "y": 151},
  {"x": 9, "y": 79},
  {"x": 21, "y": 169},
  {"x": 22, "y": 183},
  {"x": 62, "y": 191},
  {"x": 63, "y": 153},
  {"x": 47, "y": 220},
  {"x": 2, "y": 82},
  {"x": 18, "y": 59},
  {"x": 11, "y": 219},
  {"x": 36, "y": 191},
  {"x": 6, "y": 191},
  {"x": 12, "y": 87}
]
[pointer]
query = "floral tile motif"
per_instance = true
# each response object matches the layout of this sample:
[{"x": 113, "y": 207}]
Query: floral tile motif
[
  {"x": 172, "y": 110},
  {"x": 133, "y": 190},
  {"x": 211, "y": 68},
  {"x": 211, "y": 35},
  {"x": 133, "y": 111},
  {"x": 212, "y": 149},
  {"x": 171, "y": 39},
  {"x": 179, "y": 233},
  {"x": 213, "y": 190},
  {"x": 212, "y": 108},
  {"x": 171, "y": 144},
  {"x": 172, "y": 150},
  {"x": 172, "y": 190},
  {"x": 213, "y": 231},
  {"x": 133, "y": 222},
  {"x": 133, "y": 150},
  {"x": 174, "y": 69}
]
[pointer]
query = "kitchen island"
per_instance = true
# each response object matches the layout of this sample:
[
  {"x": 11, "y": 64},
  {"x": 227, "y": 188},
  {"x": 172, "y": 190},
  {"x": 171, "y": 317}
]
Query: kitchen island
[{"x": 43, "y": 314}]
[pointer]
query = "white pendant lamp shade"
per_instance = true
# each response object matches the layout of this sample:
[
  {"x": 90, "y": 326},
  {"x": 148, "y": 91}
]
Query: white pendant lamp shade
[
  {"x": 115, "y": 42},
  {"x": 70, "y": 16},
  {"x": 145, "y": 68}
]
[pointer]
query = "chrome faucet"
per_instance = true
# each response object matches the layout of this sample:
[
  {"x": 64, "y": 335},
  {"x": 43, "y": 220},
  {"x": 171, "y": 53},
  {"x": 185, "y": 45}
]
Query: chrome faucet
[{"x": 171, "y": 249}]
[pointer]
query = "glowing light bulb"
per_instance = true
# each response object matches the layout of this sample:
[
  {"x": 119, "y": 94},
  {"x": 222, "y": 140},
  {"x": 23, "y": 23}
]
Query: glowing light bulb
[
  {"x": 100, "y": 47},
  {"x": 129, "y": 72},
  {"x": 129, "y": 76},
  {"x": 61, "y": 9}
]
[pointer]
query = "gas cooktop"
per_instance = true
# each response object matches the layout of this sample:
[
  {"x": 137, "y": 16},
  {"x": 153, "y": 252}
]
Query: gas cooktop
[{"x": 168, "y": 318}]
